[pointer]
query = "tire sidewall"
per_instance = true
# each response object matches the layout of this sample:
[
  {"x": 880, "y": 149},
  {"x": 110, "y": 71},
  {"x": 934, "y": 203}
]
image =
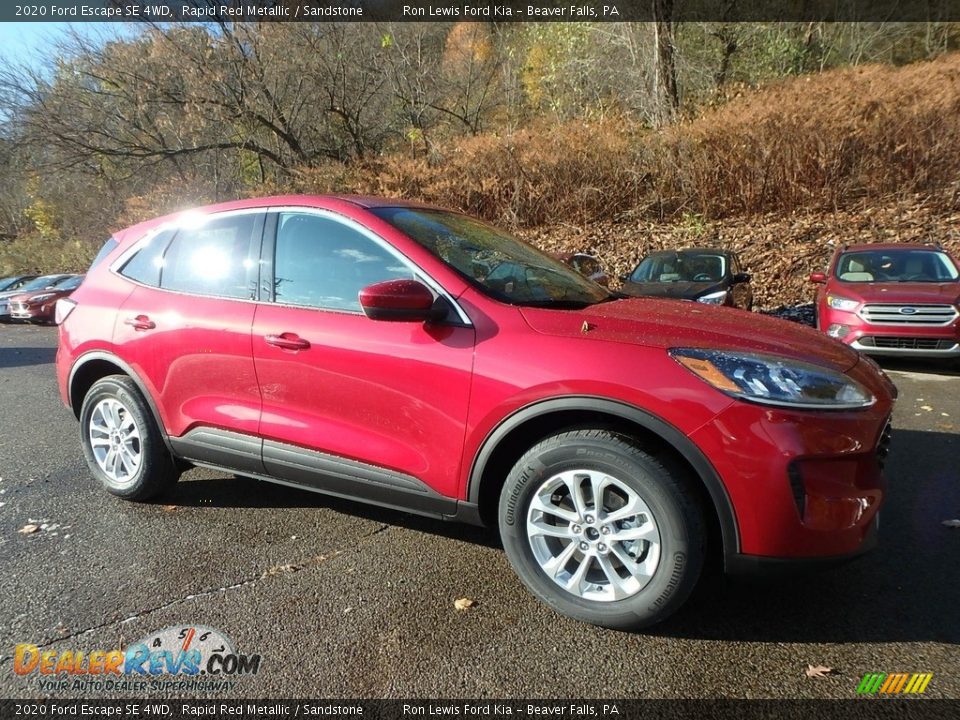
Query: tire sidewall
[
  {"x": 671, "y": 582},
  {"x": 130, "y": 399}
]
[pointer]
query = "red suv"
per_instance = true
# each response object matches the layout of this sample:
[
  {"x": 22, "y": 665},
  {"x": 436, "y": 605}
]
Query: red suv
[
  {"x": 892, "y": 300},
  {"x": 420, "y": 359}
]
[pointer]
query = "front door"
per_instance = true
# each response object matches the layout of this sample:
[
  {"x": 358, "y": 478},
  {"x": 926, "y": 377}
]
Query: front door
[{"x": 351, "y": 405}]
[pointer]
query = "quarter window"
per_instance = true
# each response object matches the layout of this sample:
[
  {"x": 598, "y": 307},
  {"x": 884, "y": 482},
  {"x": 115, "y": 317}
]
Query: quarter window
[
  {"x": 144, "y": 266},
  {"x": 216, "y": 258},
  {"x": 323, "y": 263}
]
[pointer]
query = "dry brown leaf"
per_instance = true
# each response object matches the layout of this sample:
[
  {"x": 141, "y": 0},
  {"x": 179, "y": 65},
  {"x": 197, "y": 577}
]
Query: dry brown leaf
[
  {"x": 463, "y": 603},
  {"x": 818, "y": 671},
  {"x": 952, "y": 523},
  {"x": 28, "y": 529},
  {"x": 169, "y": 508}
]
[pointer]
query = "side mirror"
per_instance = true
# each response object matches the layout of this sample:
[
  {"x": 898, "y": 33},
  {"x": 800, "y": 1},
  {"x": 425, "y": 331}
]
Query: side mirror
[
  {"x": 741, "y": 278},
  {"x": 399, "y": 301},
  {"x": 624, "y": 278},
  {"x": 818, "y": 277}
]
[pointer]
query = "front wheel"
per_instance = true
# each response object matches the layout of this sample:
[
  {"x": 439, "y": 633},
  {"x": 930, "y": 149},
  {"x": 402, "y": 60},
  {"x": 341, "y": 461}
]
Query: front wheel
[
  {"x": 602, "y": 530},
  {"x": 122, "y": 443}
]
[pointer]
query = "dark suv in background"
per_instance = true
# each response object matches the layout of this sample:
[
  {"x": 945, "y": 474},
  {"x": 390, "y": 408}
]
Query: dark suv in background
[{"x": 713, "y": 277}]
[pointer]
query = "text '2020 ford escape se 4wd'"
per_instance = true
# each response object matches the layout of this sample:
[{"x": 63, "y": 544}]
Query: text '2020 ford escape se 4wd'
[{"x": 421, "y": 359}]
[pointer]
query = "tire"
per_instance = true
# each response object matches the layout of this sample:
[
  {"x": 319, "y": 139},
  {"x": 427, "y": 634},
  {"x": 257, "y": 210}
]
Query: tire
[
  {"x": 664, "y": 510},
  {"x": 115, "y": 422}
]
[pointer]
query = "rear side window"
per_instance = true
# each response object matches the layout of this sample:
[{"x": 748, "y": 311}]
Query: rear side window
[
  {"x": 108, "y": 247},
  {"x": 144, "y": 266},
  {"x": 217, "y": 258}
]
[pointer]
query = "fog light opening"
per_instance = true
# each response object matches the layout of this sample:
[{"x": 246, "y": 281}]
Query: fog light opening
[{"x": 838, "y": 331}]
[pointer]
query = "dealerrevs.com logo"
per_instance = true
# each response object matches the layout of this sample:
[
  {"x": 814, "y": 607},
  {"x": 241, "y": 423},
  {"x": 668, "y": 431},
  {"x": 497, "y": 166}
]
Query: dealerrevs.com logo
[{"x": 180, "y": 657}]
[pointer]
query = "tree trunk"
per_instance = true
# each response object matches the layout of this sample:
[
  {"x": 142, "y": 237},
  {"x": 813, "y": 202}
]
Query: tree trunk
[{"x": 666, "y": 97}]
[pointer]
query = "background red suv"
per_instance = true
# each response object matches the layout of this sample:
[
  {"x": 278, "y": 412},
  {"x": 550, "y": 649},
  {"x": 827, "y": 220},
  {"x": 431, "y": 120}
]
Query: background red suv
[
  {"x": 891, "y": 300},
  {"x": 420, "y": 359}
]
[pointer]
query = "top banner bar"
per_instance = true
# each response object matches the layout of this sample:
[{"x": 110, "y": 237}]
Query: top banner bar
[{"x": 501, "y": 11}]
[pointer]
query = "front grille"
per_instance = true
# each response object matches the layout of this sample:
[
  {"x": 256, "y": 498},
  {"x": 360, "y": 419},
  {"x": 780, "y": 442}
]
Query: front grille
[
  {"x": 907, "y": 343},
  {"x": 883, "y": 445},
  {"x": 926, "y": 315}
]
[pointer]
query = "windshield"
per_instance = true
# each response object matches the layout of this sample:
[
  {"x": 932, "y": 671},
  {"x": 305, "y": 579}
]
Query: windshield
[
  {"x": 42, "y": 282},
  {"x": 70, "y": 283},
  {"x": 896, "y": 266},
  {"x": 500, "y": 265},
  {"x": 681, "y": 267}
]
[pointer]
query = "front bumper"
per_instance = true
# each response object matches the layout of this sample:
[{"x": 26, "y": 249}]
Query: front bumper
[
  {"x": 803, "y": 484},
  {"x": 885, "y": 340},
  {"x": 30, "y": 312}
]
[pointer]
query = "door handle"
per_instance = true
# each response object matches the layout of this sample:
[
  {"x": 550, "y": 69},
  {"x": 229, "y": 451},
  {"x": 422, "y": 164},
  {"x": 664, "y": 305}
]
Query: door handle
[
  {"x": 287, "y": 341},
  {"x": 140, "y": 322}
]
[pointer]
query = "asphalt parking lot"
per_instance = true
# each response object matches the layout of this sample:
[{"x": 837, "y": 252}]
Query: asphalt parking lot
[{"x": 344, "y": 600}]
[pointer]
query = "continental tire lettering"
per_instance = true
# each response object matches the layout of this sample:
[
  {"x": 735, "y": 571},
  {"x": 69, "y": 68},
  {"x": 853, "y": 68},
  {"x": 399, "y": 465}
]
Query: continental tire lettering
[
  {"x": 679, "y": 561},
  {"x": 530, "y": 472}
]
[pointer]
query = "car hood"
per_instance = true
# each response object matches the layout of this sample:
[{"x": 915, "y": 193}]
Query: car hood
[
  {"x": 669, "y": 323},
  {"x": 681, "y": 289},
  {"x": 899, "y": 292}
]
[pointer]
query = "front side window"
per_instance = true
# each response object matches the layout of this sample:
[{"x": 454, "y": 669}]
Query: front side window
[
  {"x": 892, "y": 265},
  {"x": 218, "y": 257},
  {"x": 499, "y": 265},
  {"x": 322, "y": 263}
]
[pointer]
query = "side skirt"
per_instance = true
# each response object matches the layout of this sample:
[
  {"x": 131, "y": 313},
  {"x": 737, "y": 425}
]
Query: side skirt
[{"x": 315, "y": 471}]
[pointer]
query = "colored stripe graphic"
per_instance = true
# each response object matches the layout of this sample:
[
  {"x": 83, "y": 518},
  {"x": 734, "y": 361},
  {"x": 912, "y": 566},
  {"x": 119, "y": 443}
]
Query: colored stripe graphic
[{"x": 894, "y": 683}]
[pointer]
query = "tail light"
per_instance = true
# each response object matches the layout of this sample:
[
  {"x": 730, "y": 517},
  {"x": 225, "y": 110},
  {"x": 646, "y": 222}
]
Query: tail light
[{"x": 63, "y": 308}]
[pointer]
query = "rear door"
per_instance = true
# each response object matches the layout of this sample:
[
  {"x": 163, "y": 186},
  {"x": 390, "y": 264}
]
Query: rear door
[
  {"x": 185, "y": 329},
  {"x": 354, "y": 406}
]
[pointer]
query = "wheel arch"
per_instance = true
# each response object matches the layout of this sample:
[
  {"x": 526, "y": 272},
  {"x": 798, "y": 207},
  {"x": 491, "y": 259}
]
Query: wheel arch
[
  {"x": 507, "y": 441},
  {"x": 98, "y": 364}
]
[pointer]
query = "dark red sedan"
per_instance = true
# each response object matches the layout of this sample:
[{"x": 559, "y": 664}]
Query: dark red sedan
[
  {"x": 38, "y": 306},
  {"x": 418, "y": 358}
]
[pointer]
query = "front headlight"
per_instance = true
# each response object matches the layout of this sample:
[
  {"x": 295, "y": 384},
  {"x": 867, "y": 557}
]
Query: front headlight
[
  {"x": 40, "y": 298},
  {"x": 842, "y": 303},
  {"x": 714, "y": 298},
  {"x": 773, "y": 380}
]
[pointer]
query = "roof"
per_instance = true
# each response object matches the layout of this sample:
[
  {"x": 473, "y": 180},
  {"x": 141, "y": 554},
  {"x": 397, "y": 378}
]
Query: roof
[
  {"x": 889, "y": 246},
  {"x": 691, "y": 251},
  {"x": 320, "y": 201}
]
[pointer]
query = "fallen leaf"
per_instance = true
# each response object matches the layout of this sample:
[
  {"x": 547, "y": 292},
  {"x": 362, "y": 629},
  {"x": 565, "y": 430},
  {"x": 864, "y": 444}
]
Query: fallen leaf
[
  {"x": 818, "y": 671},
  {"x": 952, "y": 523},
  {"x": 169, "y": 508},
  {"x": 463, "y": 603},
  {"x": 926, "y": 407},
  {"x": 28, "y": 529}
]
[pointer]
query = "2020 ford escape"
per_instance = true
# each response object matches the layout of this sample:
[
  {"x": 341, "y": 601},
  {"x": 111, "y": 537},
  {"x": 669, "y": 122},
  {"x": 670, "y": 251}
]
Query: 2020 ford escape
[{"x": 421, "y": 359}]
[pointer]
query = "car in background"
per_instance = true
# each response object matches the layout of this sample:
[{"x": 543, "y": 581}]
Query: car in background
[
  {"x": 14, "y": 282},
  {"x": 38, "y": 306},
  {"x": 38, "y": 283},
  {"x": 587, "y": 265},
  {"x": 713, "y": 277},
  {"x": 891, "y": 299}
]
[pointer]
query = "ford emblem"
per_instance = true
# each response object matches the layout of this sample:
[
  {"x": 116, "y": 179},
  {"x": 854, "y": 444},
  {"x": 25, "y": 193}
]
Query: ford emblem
[{"x": 908, "y": 311}]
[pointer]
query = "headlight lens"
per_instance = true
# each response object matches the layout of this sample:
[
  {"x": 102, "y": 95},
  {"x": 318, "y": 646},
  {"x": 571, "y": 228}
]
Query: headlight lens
[
  {"x": 714, "y": 298},
  {"x": 842, "y": 303},
  {"x": 40, "y": 298},
  {"x": 772, "y": 380}
]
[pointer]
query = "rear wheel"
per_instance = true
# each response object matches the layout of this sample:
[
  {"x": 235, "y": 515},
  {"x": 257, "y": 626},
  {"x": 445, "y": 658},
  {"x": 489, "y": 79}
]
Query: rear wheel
[
  {"x": 602, "y": 530},
  {"x": 122, "y": 443}
]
